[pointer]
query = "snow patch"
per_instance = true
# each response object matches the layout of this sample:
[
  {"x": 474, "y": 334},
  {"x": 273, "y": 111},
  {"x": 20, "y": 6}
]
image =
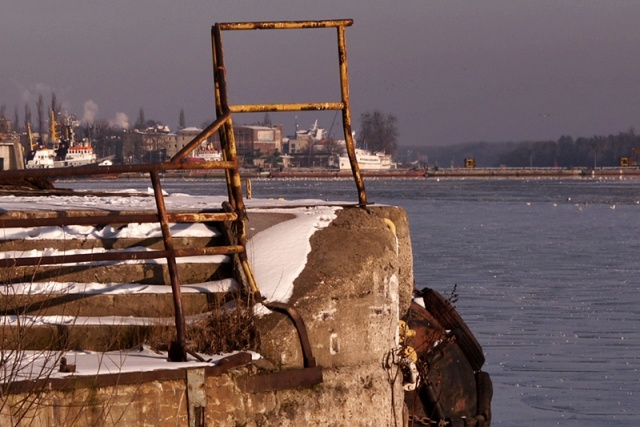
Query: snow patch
[
  {"x": 279, "y": 254},
  {"x": 48, "y": 288},
  {"x": 91, "y": 363}
]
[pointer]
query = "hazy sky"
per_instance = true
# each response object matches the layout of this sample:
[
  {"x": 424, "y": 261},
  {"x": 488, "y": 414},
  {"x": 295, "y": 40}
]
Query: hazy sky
[{"x": 451, "y": 71}]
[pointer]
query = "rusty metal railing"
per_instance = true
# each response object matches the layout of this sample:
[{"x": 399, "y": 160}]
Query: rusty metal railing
[
  {"x": 235, "y": 214},
  {"x": 222, "y": 103},
  {"x": 311, "y": 373},
  {"x": 232, "y": 211}
]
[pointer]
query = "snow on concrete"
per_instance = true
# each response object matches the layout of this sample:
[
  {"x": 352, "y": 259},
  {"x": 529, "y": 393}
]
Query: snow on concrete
[
  {"x": 86, "y": 232},
  {"x": 91, "y": 363},
  {"x": 47, "y": 288},
  {"x": 277, "y": 256},
  {"x": 34, "y": 253}
]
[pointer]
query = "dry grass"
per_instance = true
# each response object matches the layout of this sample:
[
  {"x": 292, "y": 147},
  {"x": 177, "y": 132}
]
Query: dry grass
[{"x": 228, "y": 327}]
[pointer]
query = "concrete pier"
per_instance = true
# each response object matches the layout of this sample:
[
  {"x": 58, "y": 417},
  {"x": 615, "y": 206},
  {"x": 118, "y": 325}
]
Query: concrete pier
[{"x": 354, "y": 287}]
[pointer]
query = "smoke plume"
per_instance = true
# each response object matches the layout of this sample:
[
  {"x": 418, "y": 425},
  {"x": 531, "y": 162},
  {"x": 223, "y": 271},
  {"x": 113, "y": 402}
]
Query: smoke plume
[
  {"x": 90, "y": 112},
  {"x": 121, "y": 121}
]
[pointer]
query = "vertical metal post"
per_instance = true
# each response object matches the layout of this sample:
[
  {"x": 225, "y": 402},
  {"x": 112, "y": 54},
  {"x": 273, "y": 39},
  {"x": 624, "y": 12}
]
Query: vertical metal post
[
  {"x": 178, "y": 353},
  {"x": 222, "y": 106},
  {"x": 227, "y": 139},
  {"x": 346, "y": 116},
  {"x": 220, "y": 91}
]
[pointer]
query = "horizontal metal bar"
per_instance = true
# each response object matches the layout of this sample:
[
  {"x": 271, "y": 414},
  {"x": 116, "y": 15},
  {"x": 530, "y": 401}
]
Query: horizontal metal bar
[
  {"x": 284, "y": 25},
  {"x": 309, "y": 106},
  {"x": 97, "y": 219},
  {"x": 118, "y": 256}
]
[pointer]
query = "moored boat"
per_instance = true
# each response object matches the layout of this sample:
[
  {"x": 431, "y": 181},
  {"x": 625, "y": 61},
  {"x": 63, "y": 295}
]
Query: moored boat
[
  {"x": 60, "y": 153},
  {"x": 367, "y": 161}
]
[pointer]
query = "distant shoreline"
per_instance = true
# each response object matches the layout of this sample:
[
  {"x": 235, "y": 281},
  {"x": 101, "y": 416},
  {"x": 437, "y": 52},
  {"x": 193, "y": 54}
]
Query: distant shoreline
[
  {"x": 534, "y": 172},
  {"x": 430, "y": 173}
]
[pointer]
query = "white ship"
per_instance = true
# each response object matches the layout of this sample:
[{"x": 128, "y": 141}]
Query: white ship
[
  {"x": 208, "y": 155},
  {"x": 76, "y": 155},
  {"x": 65, "y": 154},
  {"x": 366, "y": 161}
]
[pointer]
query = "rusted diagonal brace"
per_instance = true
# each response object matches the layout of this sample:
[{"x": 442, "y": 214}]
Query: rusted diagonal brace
[
  {"x": 307, "y": 376},
  {"x": 307, "y": 354}
]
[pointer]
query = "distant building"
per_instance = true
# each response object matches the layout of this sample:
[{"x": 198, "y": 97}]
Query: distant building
[
  {"x": 5, "y": 126},
  {"x": 148, "y": 146},
  {"x": 11, "y": 150},
  {"x": 255, "y": 143},
  {"x": 312, "y": 147},
  {"x": 264, "y": 141},
  {"x": 184, "y": 137},
  {"x": 158, "y": 144}
]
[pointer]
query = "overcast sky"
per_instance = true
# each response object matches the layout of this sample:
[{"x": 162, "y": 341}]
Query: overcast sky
[{"x": 450, "y": 71}]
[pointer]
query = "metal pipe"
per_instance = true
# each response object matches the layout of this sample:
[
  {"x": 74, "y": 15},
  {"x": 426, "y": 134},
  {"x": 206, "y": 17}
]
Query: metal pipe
[
  {"x": 222, "y": 105},
  {"x": 310, "y": 106},
  {"x": 346, "y": 116},
  {"x": 180, "y": 354},
  {"x": 284, "y": 25},
  {"x": 109, "y": 218},
  {"x": 118, "y": 256}
]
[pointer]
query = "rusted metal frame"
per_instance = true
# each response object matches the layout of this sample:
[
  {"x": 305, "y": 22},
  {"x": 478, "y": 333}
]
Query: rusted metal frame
[
  {"x": 346, "y": 116},
  {"x": 227, "y": 139},
  {"x": 246, "y": 268},
  {"x": 200, "y": 138},
  {"x": 114, "y": 219},
  {"x": 179, "y": 354},
  {"x": 344, "y": 106},
  {"x": 218, "y": 79},
  {"x": 284, "y": 25},
  {"x": 119, "y": 256},
  {"x": 309, "y": 106},
  {"x": 227, "y": 136},
  {"x": 245, "y": 272},
  {"x": 235, "y": 189},
  {"x": 221, "y": 101}
]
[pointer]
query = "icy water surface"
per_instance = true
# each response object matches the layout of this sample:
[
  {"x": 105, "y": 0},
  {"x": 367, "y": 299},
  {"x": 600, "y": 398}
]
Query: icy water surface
[{"x": 548, "y": 278}]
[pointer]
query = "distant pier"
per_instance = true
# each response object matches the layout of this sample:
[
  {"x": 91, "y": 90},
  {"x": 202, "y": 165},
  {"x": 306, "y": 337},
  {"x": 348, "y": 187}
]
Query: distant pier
[{"x": 532, "y": 172}]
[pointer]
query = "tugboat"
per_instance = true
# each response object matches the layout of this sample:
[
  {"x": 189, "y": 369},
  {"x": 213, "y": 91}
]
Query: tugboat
[{"x": 64, "y": 151}]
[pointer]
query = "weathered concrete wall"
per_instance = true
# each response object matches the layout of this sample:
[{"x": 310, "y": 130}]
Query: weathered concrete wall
[
  {"x": 350, "y": 292},
  {"x": 357, "y": 283}
]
